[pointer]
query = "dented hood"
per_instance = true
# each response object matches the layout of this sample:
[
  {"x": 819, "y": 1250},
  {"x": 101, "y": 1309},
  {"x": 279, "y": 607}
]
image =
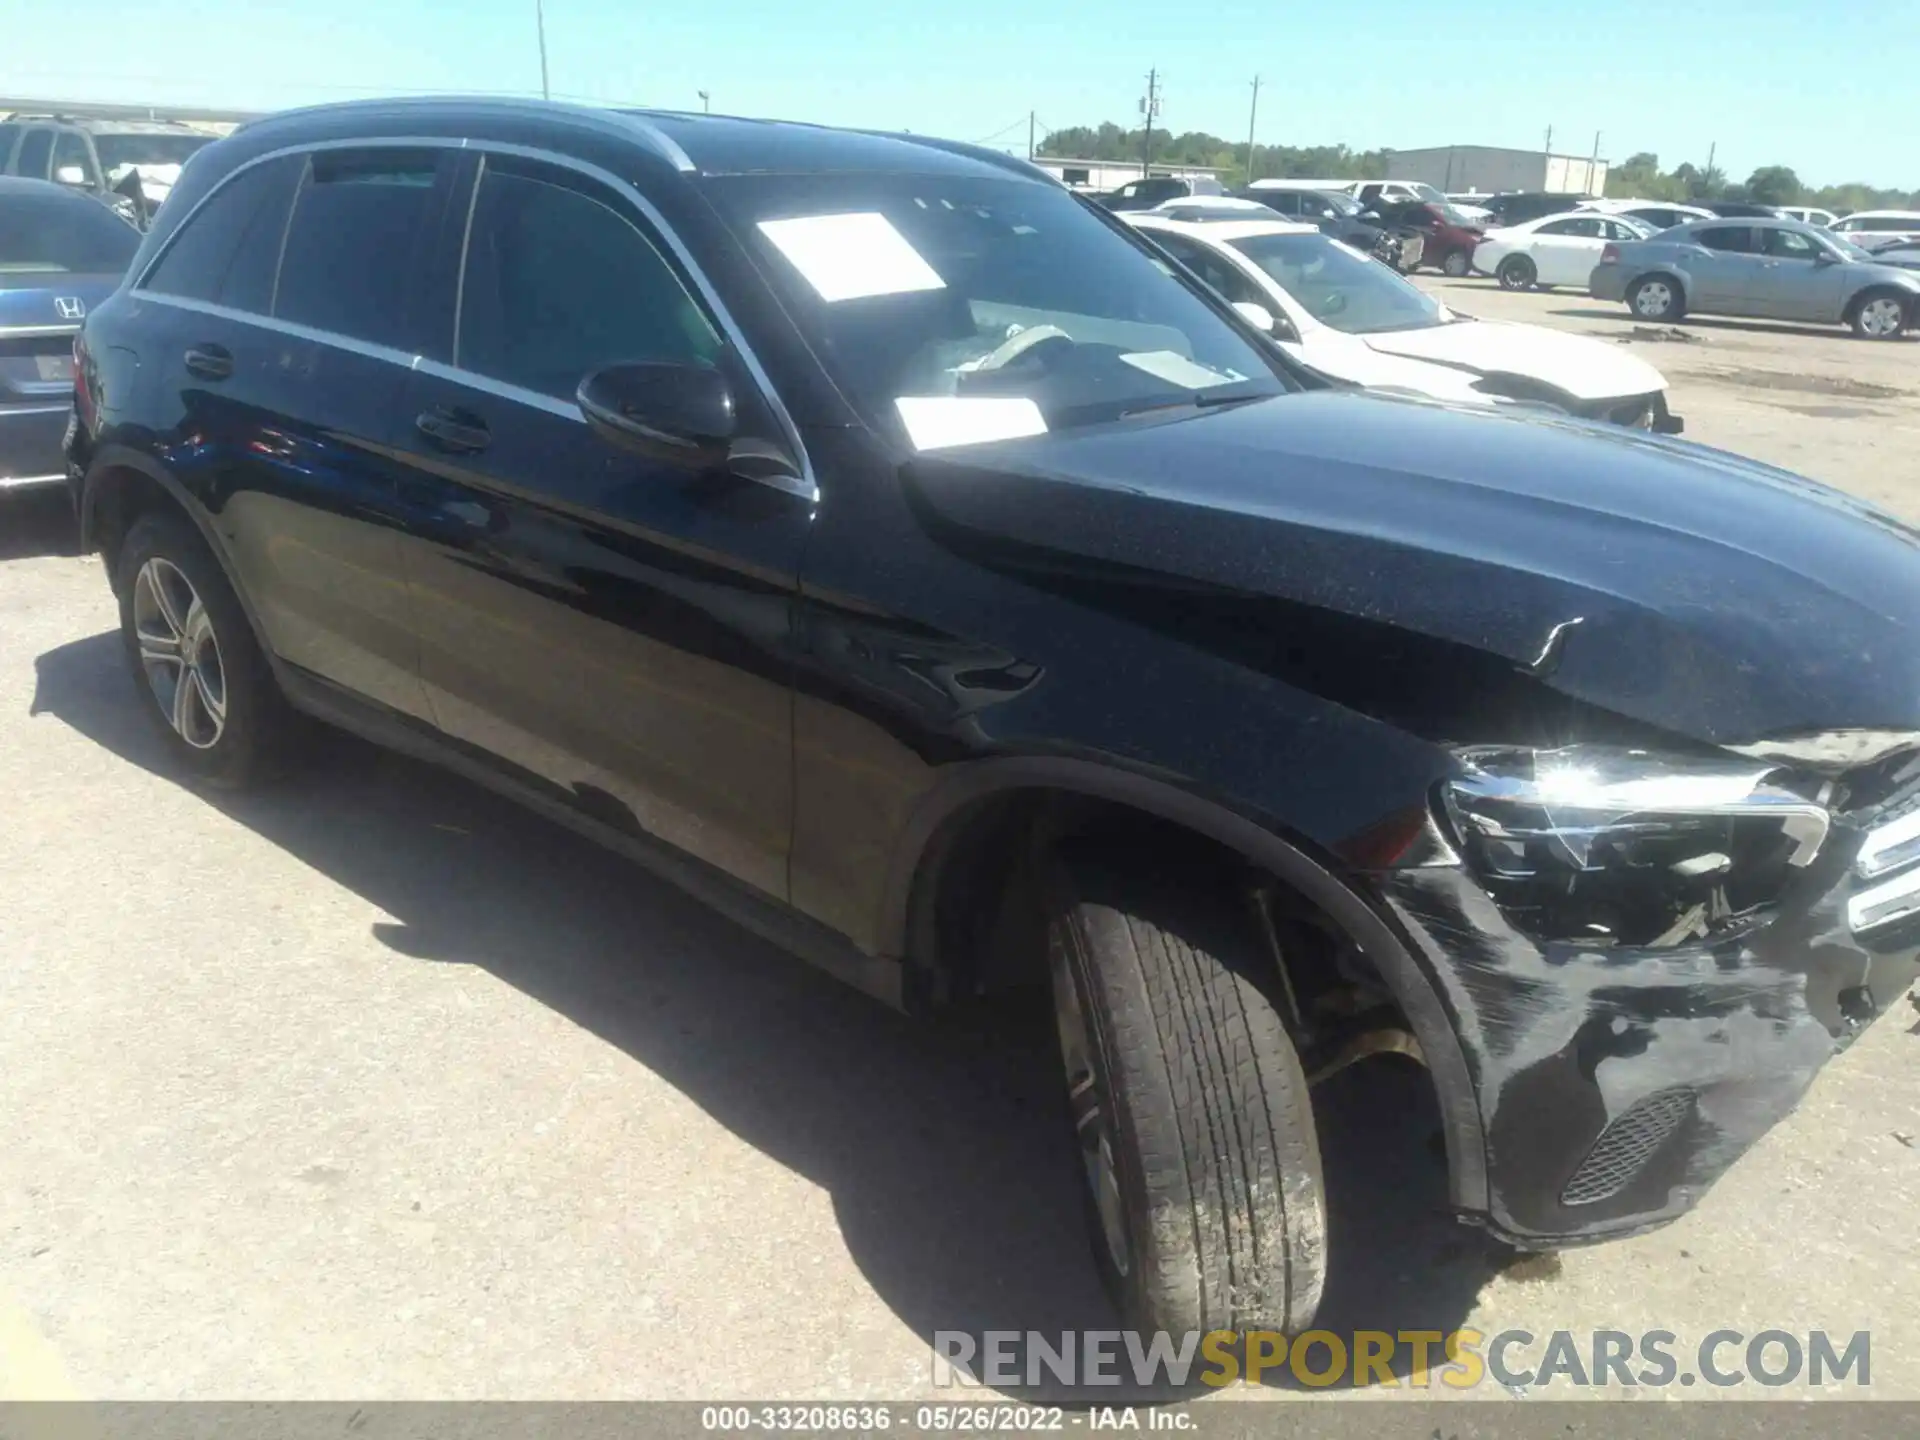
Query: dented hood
[{"x": 1705, "y": 594}]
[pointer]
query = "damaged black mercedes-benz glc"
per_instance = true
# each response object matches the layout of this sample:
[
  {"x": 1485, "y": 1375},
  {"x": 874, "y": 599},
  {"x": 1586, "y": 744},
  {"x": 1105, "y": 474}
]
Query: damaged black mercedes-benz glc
[{"x": 903, "y": 555}]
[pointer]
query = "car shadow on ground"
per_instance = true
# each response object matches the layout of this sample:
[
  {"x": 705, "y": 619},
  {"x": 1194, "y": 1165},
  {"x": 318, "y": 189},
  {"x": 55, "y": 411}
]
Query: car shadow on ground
[
  {"x": 37, "y": 522},
  {"x": 943, "y": 1143}
]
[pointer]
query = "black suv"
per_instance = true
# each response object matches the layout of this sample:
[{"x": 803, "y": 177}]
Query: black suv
[
  {"x": 900, "y": 553},
  {"x": 127, "y": 164},
  {"x": 1158, "y": 190}
]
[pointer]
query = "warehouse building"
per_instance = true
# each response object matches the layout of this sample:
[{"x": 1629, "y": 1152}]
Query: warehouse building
[{"x": 1488, "y": 170}]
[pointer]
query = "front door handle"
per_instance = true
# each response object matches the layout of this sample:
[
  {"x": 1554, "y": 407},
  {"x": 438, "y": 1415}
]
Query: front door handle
[
  {"x": 458, "y": 431},
  {"x": 209, "y": 362}
]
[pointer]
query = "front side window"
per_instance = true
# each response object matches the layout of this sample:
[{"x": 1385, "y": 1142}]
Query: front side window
[
  {"x": 36, "y": 150},
  {"x": 71, "y": 234},
  {"x": 1583, "y": 226},
  {"x": 559, "y": 282},
  {"x": 227, "y": 251},
  {"x": 72, "y": 165},
  {"x": 1790, "y": 245},
  {"x": 1338, "y": 286},
  {"x": 351, "y": 246},
  {"x": 1213, "y": 270},
  {"x": 984, "y": 302}
]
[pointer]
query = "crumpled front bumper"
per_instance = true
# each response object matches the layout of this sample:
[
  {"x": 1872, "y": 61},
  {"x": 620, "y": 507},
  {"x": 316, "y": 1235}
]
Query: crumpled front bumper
[{"x": 1616, "y": 1085}]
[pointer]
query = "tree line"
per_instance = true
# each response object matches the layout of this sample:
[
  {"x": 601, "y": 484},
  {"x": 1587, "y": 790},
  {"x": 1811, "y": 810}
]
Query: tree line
[{"x": 1638, "y": 176}]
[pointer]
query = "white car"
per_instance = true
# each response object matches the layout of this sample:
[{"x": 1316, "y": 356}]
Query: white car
[
  {"x": 1870, "y": 225},
  {"x": 1810, "y": 214},
  {"x": 1553, "y": 250},
  {"x": 1350, "y": 317},
  {"x": 1656, "y": 215}
]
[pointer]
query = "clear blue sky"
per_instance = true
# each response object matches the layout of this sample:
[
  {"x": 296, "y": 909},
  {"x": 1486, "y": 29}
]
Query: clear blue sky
[{"x": 1818, "y": 86}]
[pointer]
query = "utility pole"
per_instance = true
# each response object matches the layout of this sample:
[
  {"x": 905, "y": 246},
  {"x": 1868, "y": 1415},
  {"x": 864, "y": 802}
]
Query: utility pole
[
  {"x": 540, "y": 23},
  {"x": 1149, "y": 107},
  {"x": 1253, "y": 112},
  {"x": 1029, "y": 134},
  {"x": 706, "y": 102},
  {"x": 1593, "y": 165},
  {"x": 1549, "y": 140}
]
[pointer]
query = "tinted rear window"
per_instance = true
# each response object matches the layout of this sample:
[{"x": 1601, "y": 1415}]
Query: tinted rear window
[
  {"x": 63, "y": 233},
  {"x": 226, "y": 252},
  {"x": 350, "y": 248}
]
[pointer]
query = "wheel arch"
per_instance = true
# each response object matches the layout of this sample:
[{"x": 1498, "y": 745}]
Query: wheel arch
[
  {"x": 123, "y": 484},
  {"x": 964, "y": 814},
  {"x": 1876, "y": 287}
]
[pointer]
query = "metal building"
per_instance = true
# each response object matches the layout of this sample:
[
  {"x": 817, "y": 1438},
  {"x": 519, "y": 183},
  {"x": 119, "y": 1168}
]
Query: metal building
[{"x": 1489, "y": 169}]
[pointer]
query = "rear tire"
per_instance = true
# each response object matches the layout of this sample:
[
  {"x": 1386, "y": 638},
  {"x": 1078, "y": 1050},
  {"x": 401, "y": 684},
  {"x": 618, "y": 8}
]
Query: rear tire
[
  {"x": 1191, "y": 1110},
  {"x": 1655, "y": 298},
  {"x": 1456, "y": 265},
  {"x": 1881, "y": 315},
  {"x": 1516, "y": 272},
  {"x": 203, "y": 681}
]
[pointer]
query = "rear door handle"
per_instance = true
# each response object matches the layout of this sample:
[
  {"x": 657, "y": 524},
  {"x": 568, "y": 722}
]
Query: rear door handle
[
  {"x": 209, "y": 362},
  {"x": 458, "y": 431}
]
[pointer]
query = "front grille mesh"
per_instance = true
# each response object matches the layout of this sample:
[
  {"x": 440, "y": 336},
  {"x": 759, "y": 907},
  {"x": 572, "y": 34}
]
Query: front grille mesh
[{"x": 1625, "y": 1146}]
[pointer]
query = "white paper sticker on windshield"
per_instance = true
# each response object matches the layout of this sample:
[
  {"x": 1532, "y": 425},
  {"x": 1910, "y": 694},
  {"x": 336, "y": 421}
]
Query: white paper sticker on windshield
[
  {"x": 846, "y": 257},
  {"x": 936, "y": 421},
  {"x": 1175, "y": 369}
]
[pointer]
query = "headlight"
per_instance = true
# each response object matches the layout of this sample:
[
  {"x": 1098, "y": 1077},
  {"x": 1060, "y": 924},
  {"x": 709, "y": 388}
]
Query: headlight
[{"x": 1609, "y": 846}]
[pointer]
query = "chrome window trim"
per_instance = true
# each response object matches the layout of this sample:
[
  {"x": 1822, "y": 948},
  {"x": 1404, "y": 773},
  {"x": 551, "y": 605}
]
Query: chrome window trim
[
  {"x": 28, "y": 332},
  {"x": 806, "y": 486},
  {"x": 7, "y": 412},
  {"x": 402, "y": 358}
]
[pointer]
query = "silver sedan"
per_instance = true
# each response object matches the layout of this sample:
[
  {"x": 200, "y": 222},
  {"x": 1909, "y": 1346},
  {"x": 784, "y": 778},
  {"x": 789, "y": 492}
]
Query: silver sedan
[{"x": 1774, "y": 269}]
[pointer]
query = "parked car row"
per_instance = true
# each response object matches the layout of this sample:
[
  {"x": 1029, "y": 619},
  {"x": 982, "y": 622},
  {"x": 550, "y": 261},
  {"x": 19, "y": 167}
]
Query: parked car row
[{"x": 930, "y": 570}]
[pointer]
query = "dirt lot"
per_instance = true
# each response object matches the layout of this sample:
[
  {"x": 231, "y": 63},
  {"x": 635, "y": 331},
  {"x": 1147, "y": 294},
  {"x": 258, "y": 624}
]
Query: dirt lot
[{"x": 374, "y": 1086}]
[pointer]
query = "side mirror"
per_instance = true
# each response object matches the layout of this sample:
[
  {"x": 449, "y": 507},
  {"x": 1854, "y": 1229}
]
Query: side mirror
[
  {"x": 70, "y": 175},
  {"x": 680, "y": 414},
  {"x": 1825, "y": 257},
  {"x": 1257, "y": 316}
]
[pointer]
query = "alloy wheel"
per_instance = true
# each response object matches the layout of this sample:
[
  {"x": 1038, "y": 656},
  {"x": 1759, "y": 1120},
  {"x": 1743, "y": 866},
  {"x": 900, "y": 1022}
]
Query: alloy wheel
[
  {"x": 1881, "y": 317},
  {"x": 179, "y": 653},
  {"x": 1092, "y": 1113}
]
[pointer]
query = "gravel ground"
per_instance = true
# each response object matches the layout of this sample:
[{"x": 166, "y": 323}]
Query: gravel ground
[{"x": 373, "y": 1086}]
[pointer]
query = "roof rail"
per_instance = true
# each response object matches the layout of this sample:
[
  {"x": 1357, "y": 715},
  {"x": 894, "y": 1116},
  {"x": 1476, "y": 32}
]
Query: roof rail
[{"x": 627, "y": 123}]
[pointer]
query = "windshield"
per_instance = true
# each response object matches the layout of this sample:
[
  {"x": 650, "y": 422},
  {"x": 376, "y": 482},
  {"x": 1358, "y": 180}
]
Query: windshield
[
  {"x": 120, "y": 150},
  {"x": 963, "y": 309},
  {"x": 1847, "y": 247},
  {"x": 63, "y": 233},
  {"x": 1427, "y": 192},
  {"x": 1453, "y": 216},
  {"x": 1340, "y": 287},
  {"x": 1344, "y": 206}
]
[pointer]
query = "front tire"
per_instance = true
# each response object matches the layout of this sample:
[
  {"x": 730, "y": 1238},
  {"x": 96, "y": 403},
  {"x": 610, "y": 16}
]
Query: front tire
[
  {"x": 203, "y": 680},
  {"x": 1456, "y": 265},
  {"x": 1516, "y": 272},
  {"x": 1189, "y": 1104},
  {"x": 1880, "y": 315},
  {"x": 1654, "y": 298}
]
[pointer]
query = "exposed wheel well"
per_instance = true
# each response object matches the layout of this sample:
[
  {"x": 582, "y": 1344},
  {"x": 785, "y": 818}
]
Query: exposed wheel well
[{"x": 977, "y": 920}]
